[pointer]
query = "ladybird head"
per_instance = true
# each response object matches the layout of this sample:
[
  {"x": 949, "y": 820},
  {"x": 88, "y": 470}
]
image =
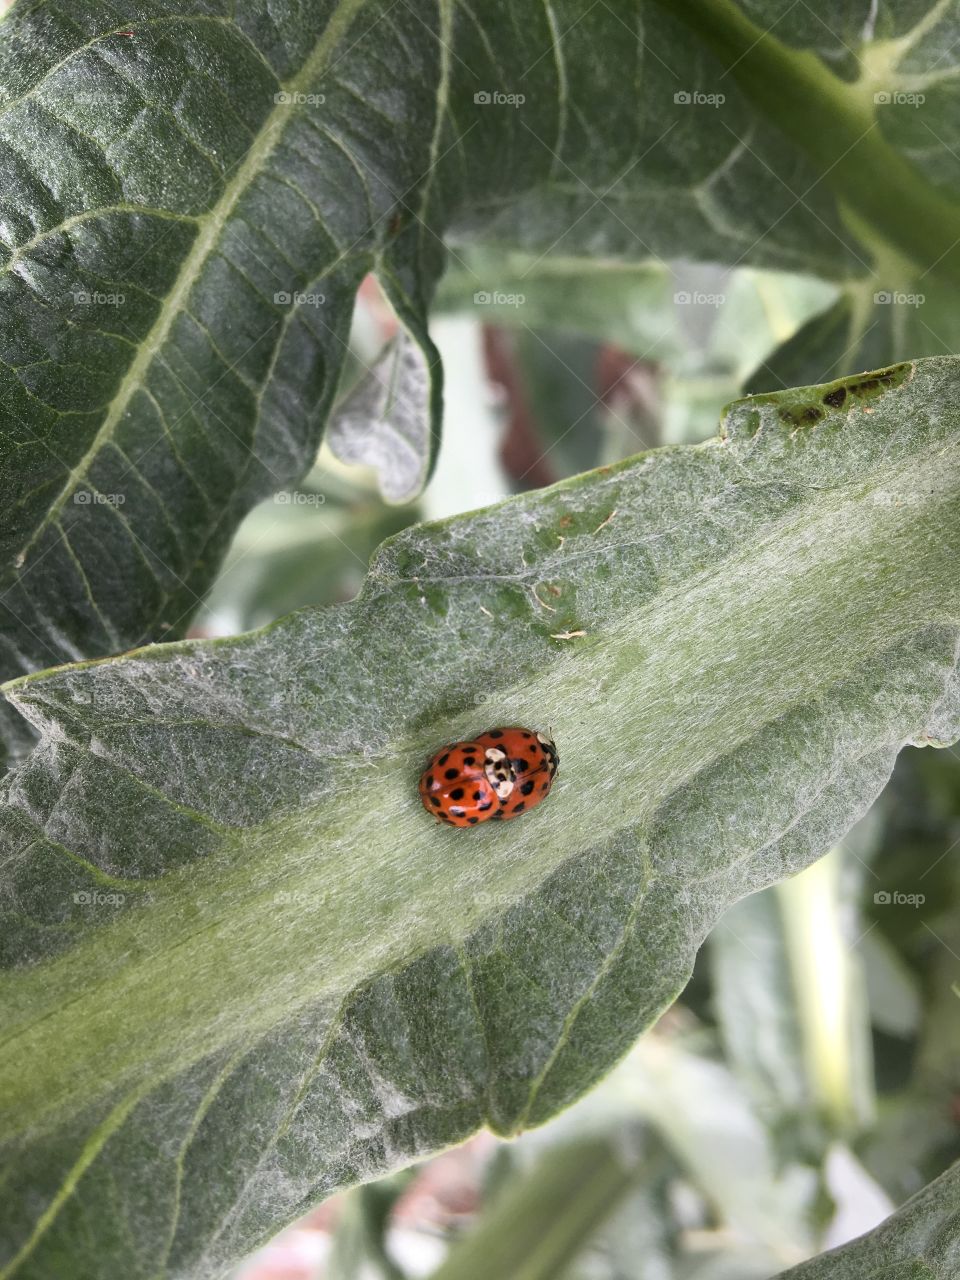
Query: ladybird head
[{"x": 550, "y": 750}]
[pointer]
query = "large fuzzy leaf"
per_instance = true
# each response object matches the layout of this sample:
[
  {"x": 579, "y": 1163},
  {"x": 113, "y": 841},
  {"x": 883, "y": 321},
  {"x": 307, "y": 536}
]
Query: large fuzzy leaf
[
  {"x": 243, "y": 967},
  {"x": 192, "y": 191}
]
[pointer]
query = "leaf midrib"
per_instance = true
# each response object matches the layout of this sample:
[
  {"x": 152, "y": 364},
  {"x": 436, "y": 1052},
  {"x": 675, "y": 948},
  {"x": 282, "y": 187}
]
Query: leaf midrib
[
  {"x": 362, "y": 924},
  {"x": 835, "y": 124},
  {"x": 211, "y": 227}
]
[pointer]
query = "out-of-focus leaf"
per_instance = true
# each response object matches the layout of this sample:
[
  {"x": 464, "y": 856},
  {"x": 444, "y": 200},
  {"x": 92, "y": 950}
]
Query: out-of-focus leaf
[
  {"x": 308, "y": 545},
  {"x": 543, "y": 1219},
  {"x": 893, "y": 993},
  {"x": 360, "y": 1243},
  {"x": 755, "y": 1004},
  {"x": 867, "y": 326},
  {"x": 385, "y": 420},
  {"x": 710, "y": 1124}
]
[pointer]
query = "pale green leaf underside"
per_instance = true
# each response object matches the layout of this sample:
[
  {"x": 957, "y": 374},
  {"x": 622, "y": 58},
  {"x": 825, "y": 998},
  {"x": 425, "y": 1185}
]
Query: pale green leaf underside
[{"x": 306, "y": 980}]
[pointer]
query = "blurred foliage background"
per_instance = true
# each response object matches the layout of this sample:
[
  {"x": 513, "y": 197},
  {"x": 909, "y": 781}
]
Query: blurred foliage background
[{"x": 808, "y": 1081}]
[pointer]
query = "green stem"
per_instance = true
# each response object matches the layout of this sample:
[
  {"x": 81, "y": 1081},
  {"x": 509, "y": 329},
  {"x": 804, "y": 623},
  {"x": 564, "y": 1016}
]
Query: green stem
[{"x": 835, "y": 124}]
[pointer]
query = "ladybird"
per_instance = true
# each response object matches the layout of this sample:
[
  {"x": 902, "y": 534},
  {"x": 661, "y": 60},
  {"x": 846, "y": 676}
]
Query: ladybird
[{"x": 499, "y": 774}]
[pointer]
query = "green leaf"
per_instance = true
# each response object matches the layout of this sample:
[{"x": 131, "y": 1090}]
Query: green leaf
[
  {"x": 839, "y": 123},
  {"x": 187, "y": 213},
  {"x": 243, "y": 967},
  {"x": 540, "y": 1222},
  {"x": 384, "y": 422},
  {"x": 867, "y": 326},
  {"x": 710, "y": 1125},
  {"x": 919, "y": 1242},
  {"x": 360, "y": 1241},
  {"x": 310, "y": 545}
]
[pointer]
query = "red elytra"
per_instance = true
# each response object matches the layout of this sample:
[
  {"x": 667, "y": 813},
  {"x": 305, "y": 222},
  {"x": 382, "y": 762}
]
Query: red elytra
[{"x": 497, "y": 775}]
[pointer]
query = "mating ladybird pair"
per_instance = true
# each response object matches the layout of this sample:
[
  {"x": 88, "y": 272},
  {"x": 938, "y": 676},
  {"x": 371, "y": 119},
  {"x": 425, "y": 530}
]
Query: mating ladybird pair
[{"x": 499, "y": 774}]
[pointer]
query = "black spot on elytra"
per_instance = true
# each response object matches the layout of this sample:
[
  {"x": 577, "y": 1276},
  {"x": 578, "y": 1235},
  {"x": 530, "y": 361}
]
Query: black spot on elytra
[
  {"x": 429, "y": 779},
  {"x": 495, "y": 733},
  {"x": 482, "y": 808},
  {"x": 443, "y": 759},
  {"x": 534, "y": 751},
  {"x": 836, "y": 397},
  {"x": 519, "y": 766},
  {"x": 518, "y": 808},
  {"x": 456, "y": 793},
  {"x": 451, "y": 774},
  {"x": 527, "y": 735},
  {"x": 544, "y": 786},
  {"x": 472, "y": 820},
  {"x": 478, "y": 795},
  {"x": 435, "y": 800},
  {"x": 470, "y": 760},
  {"x": 527, "y": 787},
  {"x": 458, "y": 810}
]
